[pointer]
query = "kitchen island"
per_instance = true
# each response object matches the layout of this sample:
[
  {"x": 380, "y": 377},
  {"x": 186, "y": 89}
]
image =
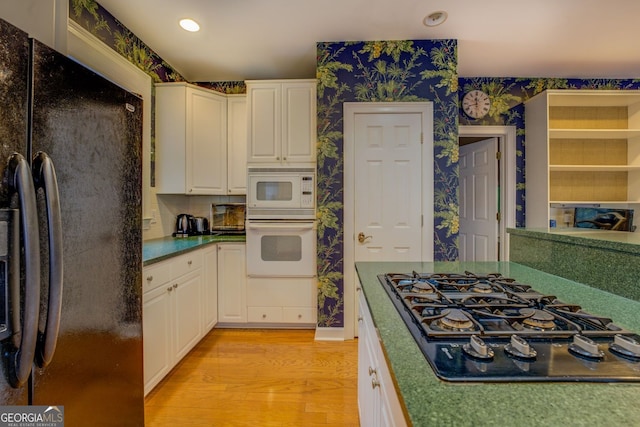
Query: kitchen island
[
  {"x": 608, "y": 260},
  {"x": 429, "y": 401}
]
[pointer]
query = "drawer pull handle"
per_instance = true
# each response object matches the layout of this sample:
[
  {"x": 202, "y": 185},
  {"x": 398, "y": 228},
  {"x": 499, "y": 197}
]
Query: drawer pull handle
[
  {"x": 169, "y": 289},
  {"x": 372, "y": 371},
  {"x": 189, "y": 262},
  {"x": 149, "y": 278},
  {"x": 264, "y": 316},
  {"x": 375, "y": 383},
  {"x": 175, "y": 285}
]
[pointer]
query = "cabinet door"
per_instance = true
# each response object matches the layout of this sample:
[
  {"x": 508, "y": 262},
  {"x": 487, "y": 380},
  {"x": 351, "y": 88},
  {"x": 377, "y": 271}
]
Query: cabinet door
[
  {"x": 264, "y": 109},
  {"x": 237, "y": 144},
  {"x": 158, "y": 359},
  {"x": 232, "y": 283},
  {"x": 368, "y": 391},
  {"x": 206, "y": 142},
  {"x": 299, "y": 122},
  {"x": 210, "y": 287},
  {"x": 187, "y": 295}
]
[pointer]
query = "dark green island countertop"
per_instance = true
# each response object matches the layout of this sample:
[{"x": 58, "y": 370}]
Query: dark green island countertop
[
  {"x": 156, "y": 250},
  {"x": 430, "y": 401}
]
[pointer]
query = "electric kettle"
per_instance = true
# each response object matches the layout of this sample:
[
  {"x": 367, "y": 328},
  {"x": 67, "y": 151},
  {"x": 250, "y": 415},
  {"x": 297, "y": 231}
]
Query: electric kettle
[{"x": 185, "y": 225}]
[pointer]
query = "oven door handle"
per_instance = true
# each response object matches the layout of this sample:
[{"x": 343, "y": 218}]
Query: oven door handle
[{"x": 281, "y": 225}]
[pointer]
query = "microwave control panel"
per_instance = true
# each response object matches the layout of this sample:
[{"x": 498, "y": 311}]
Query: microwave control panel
[{"x": 307, "y": 190}]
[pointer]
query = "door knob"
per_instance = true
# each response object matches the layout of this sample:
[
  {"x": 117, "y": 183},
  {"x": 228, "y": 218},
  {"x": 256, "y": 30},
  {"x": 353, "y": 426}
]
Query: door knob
[{"x": 362, "y": 238}]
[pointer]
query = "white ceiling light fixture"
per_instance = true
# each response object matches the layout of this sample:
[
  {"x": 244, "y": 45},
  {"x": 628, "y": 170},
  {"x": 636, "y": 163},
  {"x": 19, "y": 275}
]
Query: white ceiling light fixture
[
  {"x": 189, "y": 25},
  {"x": 436, "y": 18}
]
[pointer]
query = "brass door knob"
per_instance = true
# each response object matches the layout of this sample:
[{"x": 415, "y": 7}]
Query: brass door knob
[{"x": 362, "y": 238}]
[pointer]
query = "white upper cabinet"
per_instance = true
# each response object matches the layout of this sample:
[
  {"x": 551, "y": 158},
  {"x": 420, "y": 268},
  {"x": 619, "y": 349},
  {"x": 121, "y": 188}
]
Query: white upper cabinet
[
  {"x": 191, "y": 140},
  {"x": 237, "y": 144},
  {"x": 281, "y": 121}
]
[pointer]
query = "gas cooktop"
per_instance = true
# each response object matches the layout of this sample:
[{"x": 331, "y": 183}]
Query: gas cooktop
[{"x": 493, "y": 328}]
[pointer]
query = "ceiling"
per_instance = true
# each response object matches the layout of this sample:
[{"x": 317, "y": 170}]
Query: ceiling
[{"x": 268, "y": 39}]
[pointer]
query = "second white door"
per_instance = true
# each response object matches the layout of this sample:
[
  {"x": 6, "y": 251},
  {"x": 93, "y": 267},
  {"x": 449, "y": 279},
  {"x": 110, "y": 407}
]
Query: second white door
[{"x": 479, "y": 226}]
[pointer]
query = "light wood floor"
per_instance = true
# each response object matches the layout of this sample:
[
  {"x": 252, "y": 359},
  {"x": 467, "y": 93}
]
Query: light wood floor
[{"x": 265, "y": 378}]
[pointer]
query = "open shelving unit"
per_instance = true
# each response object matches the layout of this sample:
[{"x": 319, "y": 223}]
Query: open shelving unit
[{"x": 582, "y": 149}]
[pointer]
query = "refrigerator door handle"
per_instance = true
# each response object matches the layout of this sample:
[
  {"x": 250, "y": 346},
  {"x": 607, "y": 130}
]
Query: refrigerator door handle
[
  {"x": 20, "y": 360},
  {"x": 44, "y": 177}
]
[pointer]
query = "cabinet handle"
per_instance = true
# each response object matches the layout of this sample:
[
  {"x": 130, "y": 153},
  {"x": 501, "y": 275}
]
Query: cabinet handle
[
  {"x": 375, "y": 383},
  {"x": 264, "y": 316},
  {"x": 169, "y": 289},
  {"x": 360, "y": 318},
  {"x": 149, "y": 278},
  {"x": 278, "y": 158},
  {"x": 372, "y": 371},
  {"x": 299, "y": 316},
  {"x": 284, "y": 158},
  {"x": 175, "y": 285},
  {"x": 189, "y": 263},
  {"x": 358, "y": 289}
]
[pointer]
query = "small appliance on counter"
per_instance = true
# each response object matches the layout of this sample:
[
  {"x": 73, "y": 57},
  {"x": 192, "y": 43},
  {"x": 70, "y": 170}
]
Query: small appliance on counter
[
  {"x": 604, "y": 219},
  {"x": 185, "y": 225},
  {"x": 227, "y": 218}
]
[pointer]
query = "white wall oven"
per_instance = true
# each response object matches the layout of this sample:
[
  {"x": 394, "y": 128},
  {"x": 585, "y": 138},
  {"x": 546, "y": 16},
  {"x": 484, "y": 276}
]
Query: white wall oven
[
  {"x": 281, "y": 193},
  {"x": 281, "y": 248},
  {"x": 281, "y": 226}
]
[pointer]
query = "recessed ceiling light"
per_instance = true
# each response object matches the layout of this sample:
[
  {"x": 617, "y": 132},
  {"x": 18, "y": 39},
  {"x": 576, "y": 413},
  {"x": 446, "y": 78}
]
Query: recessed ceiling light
[
  {"x": 189, "y": 25},
  {"x": 436, "y": 18}
]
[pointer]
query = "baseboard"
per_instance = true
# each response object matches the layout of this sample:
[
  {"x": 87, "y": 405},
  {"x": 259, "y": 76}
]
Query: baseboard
[{"x": 329, "y": 334}]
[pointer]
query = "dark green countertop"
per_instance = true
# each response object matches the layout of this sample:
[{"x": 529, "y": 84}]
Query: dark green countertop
[
  {"x": 156, "y": 250},
  {"x": 432, "y": 402},
  {"x": 624, "y": 241}
]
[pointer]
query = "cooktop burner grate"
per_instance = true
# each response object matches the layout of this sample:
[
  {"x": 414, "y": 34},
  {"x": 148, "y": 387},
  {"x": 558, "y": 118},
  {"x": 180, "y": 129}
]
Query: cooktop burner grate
[{"x": 493, "y": 328}]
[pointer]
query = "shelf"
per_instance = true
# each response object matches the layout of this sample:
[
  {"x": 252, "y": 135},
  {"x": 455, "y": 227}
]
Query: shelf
[
  {"x": 599, "y": 98},
  {"x": 593, "y": 133},
  {"x": 594, "y": 203},
  {"x": 593, "y": 168}
]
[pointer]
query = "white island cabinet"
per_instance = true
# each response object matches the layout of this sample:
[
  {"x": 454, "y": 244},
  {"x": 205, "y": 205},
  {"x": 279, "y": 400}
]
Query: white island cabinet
[
  {"x": 281, "y": 119},
  {"x": 378, "y": 402}
]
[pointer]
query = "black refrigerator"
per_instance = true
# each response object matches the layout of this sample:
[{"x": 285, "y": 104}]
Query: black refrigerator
[{"x": 70, "y": 237}]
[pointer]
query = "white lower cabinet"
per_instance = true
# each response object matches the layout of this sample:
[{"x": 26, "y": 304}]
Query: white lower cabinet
[
  {"x": 378, "y": 402},
  {"x": 232, "y": 280},
  {"x": 282, "y": 300},
  {"x": 173, "y": 312},
  {"x": 210, "y": 288}
]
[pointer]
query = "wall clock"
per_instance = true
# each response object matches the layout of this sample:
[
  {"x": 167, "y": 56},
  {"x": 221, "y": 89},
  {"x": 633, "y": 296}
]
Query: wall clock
[{"x": 476, "y": 104}]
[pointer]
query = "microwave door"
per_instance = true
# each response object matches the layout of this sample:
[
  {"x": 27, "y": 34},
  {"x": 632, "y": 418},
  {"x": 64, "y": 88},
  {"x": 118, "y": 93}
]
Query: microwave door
[{"x": 277, "y": 192}]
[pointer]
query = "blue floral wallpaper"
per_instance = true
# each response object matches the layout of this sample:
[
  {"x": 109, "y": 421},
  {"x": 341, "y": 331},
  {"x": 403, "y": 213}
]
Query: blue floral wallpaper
[{"x": 374, "y": 71}]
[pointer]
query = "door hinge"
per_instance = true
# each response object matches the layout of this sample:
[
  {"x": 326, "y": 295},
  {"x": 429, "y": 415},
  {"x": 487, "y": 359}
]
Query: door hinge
[
  {"x": 498, "y": 216},
  {"x": 498, "y": 155},
  {"x": 421, "y": 221},
  {"x": 421, "y": 138}
]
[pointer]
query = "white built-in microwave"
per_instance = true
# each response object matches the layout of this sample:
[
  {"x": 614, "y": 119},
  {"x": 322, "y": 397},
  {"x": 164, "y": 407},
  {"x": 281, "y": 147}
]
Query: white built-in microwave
[{"x": 281, "y": 193}]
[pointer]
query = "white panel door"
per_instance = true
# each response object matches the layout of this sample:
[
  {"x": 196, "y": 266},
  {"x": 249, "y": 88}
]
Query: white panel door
[
  {"x": 388, "y": 202},
  {"x": 478, "y": 238}
]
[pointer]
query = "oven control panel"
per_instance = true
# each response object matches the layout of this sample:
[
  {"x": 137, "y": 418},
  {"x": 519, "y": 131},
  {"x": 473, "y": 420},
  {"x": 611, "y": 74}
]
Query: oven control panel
[{"x": 307, "y": 190}]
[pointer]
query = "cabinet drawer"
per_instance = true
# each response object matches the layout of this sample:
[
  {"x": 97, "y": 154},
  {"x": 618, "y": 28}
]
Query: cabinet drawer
[
  {"x": 264, "y": 314},
  {"x": 156, "y": 275},
  {"x": 299, "y": 315},
  {"x": 187, "y": 263}
]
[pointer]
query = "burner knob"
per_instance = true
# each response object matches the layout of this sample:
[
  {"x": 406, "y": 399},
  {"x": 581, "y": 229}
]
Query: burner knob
[
  {"x": 586, "y": 347},
  {"x": 518, "y": 347},
  {"x": 477, "y": 348},
  {"x": 625, "y": 346}
]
